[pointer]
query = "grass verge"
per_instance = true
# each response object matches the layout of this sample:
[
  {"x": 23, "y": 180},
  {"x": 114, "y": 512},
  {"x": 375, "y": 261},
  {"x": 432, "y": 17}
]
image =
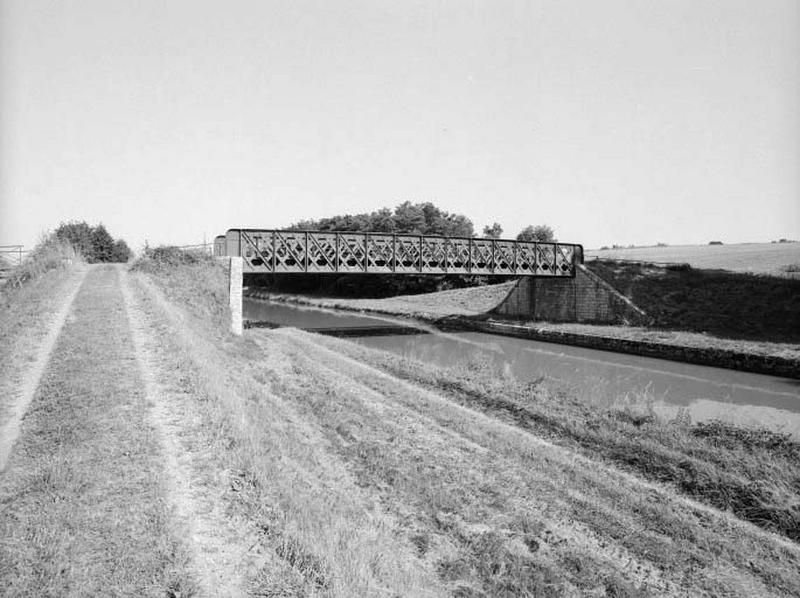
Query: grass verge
[
  {"x": 49, "y": 254},
  {"x": 317, "y": 531},
  {"x": 754, "y": 473},
  {"x": 371, "y": 475}
]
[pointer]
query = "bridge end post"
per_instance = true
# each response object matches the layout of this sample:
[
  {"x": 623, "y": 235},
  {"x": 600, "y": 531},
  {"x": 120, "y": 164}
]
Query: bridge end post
[{"x": 235, "y": 295}]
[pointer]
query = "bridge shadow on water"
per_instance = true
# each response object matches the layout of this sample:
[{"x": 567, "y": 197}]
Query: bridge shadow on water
[{"x": 345, "y": 332}]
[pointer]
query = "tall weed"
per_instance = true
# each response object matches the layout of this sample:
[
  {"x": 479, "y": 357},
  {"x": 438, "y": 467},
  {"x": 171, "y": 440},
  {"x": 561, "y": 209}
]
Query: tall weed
[{"x": 50, "y": 253}]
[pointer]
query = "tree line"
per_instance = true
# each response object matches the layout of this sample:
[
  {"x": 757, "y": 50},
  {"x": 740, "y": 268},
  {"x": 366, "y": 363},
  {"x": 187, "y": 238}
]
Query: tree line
[
  {"x": 418, "y": 219},
  {"x": 407, "y": 218},
  {"x": 94, "y": 243}
]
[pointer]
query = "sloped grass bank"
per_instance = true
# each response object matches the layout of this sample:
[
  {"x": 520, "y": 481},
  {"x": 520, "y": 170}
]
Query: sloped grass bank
[
  {"x": 193, "y": 279},
  {"x": 754, "y": 473},
  {"x": 49, "y": 254},
  {"x": 722, "y": 303},
  {"x": 26, "y": 308},
  {"x": 444, "y": 475},
  {"x": 315, "y": 531}
]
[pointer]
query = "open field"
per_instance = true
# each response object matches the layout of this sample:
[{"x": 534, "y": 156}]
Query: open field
[
  {"x": 757, "y": 258},
  {"x": 162, "y": 456}
]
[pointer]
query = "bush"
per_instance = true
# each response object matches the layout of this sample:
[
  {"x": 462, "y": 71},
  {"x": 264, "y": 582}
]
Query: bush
[
  {"x": 120, "y": 252},
  {"x": 169, "y": 256},
  {"x": 93, "y": 242},
  {"x": 50, "y": 253},
  {"x": 678, "y": 267},
  {"x": 540, "y": 232}
]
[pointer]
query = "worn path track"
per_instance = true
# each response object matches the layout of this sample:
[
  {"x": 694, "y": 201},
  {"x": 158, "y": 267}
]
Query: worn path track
[
  {"x": 37, "y": 360},
  {"x": 217, "y": 549},
  {"x": 100, "y": 492}
]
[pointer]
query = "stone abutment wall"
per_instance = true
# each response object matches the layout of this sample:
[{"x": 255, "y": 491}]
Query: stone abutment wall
[{"x": 585, "y": 298}]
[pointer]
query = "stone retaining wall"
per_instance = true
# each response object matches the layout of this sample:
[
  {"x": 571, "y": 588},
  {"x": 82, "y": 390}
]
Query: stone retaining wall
[{"x": 585, "y": 298}]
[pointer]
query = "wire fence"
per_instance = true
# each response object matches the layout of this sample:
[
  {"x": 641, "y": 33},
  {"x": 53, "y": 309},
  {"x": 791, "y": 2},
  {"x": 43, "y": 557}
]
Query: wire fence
[
  {"x": 12, "y": 256},
  {"x": 204, "y": 247}
]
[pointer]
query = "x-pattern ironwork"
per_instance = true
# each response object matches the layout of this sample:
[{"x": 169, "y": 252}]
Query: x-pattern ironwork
[
  {"x": 324, "y": 251},
  {"x": 380, "y": 254}
]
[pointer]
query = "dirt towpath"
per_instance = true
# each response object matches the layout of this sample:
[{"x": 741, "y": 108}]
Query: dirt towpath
[
  {"x": 99, "y": 494},
  {"x": 37, "y": 354}
]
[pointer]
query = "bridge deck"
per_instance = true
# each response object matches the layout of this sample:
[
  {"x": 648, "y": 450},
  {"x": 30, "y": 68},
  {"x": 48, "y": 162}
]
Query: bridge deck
[{"x": 278, "y": 251}]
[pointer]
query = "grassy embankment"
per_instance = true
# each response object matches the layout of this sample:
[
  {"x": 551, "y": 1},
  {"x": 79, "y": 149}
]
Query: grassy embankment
[
  {"x": 726, "y": 304},
  {"x": 27, "y": 298},
  {"x": 443, "y": 478}
]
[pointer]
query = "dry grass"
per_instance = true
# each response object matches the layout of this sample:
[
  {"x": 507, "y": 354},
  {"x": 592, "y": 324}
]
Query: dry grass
[
  {"x": 754, "y": 473},
  {"x": 370, "y": 475},
  {"x": 320, "y": 534},
  {"x": 49, "y": 254},
  {"x": 25, "y": 312},
  {"x": 82, "y": 501}
]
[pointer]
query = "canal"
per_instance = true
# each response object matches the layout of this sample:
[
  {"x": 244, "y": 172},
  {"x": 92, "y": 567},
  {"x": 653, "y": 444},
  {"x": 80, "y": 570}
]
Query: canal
[{"x": 597, "y": 377}]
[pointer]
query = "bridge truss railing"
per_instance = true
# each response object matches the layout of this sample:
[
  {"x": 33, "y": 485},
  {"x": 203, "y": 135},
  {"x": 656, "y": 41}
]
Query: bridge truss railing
[{"x": 279, "y": 251}]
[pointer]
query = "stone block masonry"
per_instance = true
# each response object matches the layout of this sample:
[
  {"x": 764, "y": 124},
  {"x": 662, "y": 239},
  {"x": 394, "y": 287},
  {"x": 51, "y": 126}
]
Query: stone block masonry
[{"x": 584, "y": 298}]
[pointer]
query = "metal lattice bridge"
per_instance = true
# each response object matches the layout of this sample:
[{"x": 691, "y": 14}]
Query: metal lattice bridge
[{"x": 279, "y": 251}]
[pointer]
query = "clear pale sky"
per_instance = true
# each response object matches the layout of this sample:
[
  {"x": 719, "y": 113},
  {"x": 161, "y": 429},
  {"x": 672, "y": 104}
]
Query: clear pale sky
[{"x": 613, "y": 121}]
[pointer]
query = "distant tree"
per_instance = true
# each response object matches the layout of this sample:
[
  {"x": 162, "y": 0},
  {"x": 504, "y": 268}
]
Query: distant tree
[
  {"x": 79, "y": 235},
  {"x": 540, "y": 232},
  {"x": 493, "y": 232},
  {"x": 406, "y": 218},
  {"x": 410, "y": 218},
  {"x": 382, "y": 221},
  {"x": 93, "y": 242},
  {"x": 120, "y": 252},
  {"x": 102, "y": 244}
]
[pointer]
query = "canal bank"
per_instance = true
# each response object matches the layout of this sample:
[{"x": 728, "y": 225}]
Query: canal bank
[
  {"x": 470, "y": 464},
  {"x": 776, "y": 359},
  {"x": 714, "y": 356}
]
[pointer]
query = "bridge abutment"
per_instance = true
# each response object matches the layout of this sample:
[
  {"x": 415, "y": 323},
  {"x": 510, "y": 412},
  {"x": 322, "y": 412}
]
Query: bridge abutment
[{"x": 584, "y": 298}]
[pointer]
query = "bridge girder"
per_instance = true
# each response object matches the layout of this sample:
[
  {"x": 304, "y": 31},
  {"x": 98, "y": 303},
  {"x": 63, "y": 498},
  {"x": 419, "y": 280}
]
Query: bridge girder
[{"x": 282, "y": 251}]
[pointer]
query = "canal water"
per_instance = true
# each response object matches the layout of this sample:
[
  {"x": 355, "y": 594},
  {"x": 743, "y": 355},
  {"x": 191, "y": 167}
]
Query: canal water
[{"x": 596, "y": 377}]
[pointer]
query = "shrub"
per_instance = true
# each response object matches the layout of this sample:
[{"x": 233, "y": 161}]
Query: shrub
[
  {"x": 540, "y": 232},
  {"x": 50, "y": 253},
  {"x": 169, "y": 256},
  {"x": 93, "y": 242},
  {"x": 678, "y": 267}
]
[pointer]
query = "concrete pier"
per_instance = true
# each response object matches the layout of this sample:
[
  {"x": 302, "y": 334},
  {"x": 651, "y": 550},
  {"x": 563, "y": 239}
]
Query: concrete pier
[{"x": 235, "y": 295}]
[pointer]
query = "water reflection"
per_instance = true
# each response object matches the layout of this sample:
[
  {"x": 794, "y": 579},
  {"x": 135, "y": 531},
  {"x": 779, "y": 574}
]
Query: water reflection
[{"x": 597, "y": 377}]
